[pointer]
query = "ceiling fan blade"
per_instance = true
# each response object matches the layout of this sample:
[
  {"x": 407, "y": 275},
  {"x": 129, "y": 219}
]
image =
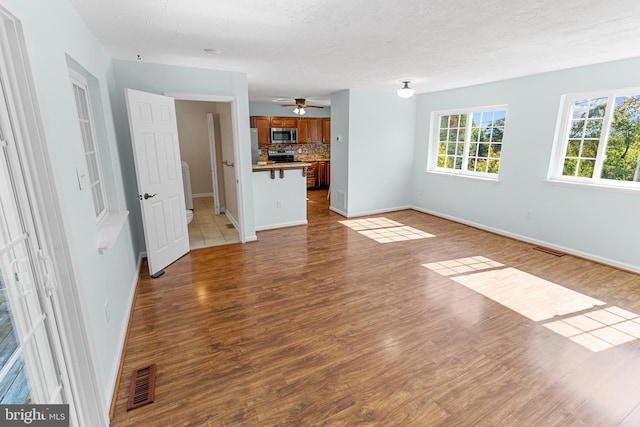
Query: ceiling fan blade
[{"x": 313, "y": 106}]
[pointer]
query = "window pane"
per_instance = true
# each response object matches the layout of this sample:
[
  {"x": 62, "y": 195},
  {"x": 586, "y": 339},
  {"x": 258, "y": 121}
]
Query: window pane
[
  {"x": 458, "y": 162},
  {"x": 443, "y": 135},
  {"x": 592, "y": 129},
  {"x": 459, "y": 149},
  {"x": 451, "y": 148},
  {"x": 483, "y": 150},
  {"x": 580, "y": 109},
  {"x": 590, "y": 148},
  {"x": 597, "y": 107},
  {"x": 453, "y": 122},
  {"x": 573, "y": 148},
  {"x": 495, "y": 151},
  {"x": 494, "y": 165},
  {"x": 569, "y": 168},
  {"x": 473, "y": 149},
  {"x": 623, "y": 143},
  {"x": 463, "y": 120},
  {"x": 585, "y": 168},
  {"x": 449, "y": 163},
  {"x": 577, "y": 129},
  {"x": 461, "y": 134},
  {"x": 442, "y": 148},
  {"x": 471, "y": 164},
  {"x": 453, "y": 135},
  {"x": 441, "y": 161}
]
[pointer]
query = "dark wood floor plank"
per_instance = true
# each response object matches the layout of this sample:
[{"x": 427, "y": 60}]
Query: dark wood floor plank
[{"x": 321, "y": 325}]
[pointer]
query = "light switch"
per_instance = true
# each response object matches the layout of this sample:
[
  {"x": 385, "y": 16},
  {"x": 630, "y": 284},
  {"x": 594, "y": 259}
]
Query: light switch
[{"x": 83, "y": 177}]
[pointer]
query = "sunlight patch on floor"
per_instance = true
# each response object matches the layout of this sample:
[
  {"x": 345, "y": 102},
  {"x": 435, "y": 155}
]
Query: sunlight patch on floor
[
  {"x": 384, "y": 230},
  {"x": 571, "y": 314}
]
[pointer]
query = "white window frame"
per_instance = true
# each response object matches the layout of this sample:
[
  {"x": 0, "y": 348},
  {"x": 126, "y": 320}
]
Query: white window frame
[
  {"x": 432, "y": 165},
  {"x": 562, "y": 140},
  {"x": 90, "y": 147}
]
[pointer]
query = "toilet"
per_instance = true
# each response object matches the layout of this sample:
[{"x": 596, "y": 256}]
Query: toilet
[{"x": 188, "y": 196}]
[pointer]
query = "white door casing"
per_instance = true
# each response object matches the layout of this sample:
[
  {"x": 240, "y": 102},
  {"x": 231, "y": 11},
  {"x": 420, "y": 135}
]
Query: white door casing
[
  {"x": 214, "y": 163},
  {"x": 154, "y": 137}
]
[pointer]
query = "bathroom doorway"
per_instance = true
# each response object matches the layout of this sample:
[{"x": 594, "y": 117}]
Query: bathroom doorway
[{"x": 206, "y": 168}]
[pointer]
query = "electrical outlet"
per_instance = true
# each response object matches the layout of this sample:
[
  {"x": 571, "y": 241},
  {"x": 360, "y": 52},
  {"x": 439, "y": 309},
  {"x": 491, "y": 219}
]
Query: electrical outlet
[
  {"x": 107, "y": 311},
  {"x": 278, "y": 203}
]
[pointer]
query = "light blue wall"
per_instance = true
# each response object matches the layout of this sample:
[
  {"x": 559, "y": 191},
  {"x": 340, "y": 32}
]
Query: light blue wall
[
  {"x": 273, "y": 109},
  {"x": 54, "y": 32},
  {"x": 339, "y": 150},
  {"x": 599, "y": 224},
  {"x": 381, "y": 139},
  {"x": 158, "y": 79}
]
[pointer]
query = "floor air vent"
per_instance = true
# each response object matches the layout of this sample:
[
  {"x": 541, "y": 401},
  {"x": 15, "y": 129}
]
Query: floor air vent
[
  {"x": 229, "y": 226},
  {"x": 143, "y": 385},
  {"x": 548, "y": 250}
]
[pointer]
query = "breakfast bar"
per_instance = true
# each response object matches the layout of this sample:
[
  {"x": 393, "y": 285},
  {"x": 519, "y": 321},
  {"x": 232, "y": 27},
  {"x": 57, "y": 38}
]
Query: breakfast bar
[{"x": 280, "y": 194}]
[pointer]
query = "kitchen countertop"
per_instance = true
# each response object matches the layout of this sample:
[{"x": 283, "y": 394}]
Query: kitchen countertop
[{"x": 291, "y": 165}]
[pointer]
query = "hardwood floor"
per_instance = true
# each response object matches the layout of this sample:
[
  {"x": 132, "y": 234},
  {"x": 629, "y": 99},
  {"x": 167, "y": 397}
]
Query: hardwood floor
[{"x": 323, "y": 325}]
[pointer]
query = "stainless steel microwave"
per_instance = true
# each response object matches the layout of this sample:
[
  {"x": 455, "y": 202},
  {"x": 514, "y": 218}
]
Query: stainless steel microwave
[{"x": 284, "y": 135}]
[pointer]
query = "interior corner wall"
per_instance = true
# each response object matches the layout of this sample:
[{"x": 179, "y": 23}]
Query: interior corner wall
[
  {"x": 380, "y": 145},
  {"x": 592, "y": 222},
  {"x": 53, "y": 33},
  {"x": 159, "y": 79}
]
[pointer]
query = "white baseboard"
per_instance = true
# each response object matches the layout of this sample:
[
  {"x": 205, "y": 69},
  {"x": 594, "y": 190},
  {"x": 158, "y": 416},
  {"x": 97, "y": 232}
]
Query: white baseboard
[
  {"x": 377, "y": 211},
  {"x": 338, "y": 211},
  {"x": 281, "y": 225},
  {"x": 585, "y": 255},
  {"x": 196, "y": 195},
  {"x": 113, "y": 378}
]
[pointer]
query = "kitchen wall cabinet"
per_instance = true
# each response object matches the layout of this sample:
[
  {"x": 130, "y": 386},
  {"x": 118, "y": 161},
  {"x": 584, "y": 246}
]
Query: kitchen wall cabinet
[
  {"x": 309, "y": 130},
  {"x": 302, "y": 131},
  {"x": 326, "y": 131},
  {"x": 262, "y": 123},
  {"x": 284, "y": 122}
]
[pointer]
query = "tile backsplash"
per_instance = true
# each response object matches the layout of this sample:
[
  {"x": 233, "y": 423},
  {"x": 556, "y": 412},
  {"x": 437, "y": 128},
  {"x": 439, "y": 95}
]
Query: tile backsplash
[{"x": 304, "y": 152}]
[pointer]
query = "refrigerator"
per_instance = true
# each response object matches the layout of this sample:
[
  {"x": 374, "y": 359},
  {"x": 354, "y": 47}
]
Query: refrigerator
[{"x": 254, "y": 146}]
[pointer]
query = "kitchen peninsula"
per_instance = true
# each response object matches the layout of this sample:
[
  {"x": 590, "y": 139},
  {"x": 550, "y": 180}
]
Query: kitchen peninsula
[{"x": 280, "y": 194}]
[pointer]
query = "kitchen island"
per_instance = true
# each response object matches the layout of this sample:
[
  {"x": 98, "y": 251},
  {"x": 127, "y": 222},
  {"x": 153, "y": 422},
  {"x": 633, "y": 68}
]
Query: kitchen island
[{"x": 280, "y": 194}]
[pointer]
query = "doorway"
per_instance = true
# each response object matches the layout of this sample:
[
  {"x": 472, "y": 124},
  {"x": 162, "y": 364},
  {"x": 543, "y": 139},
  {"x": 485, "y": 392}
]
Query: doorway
[{"x": 205, "y": 132}]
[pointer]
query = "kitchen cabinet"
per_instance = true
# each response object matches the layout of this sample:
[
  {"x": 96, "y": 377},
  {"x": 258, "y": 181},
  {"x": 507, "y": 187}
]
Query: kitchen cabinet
[
  {"x": 309, "y": 130},
  {"x": 284, "y": 122},
  {"x": 326, "y": 131},
  {"x": 312, "y": 175},
  {"x": 324, "y": 174},
  {"x": 302, "y": 131},
  {"x": 262, "y": 123}
]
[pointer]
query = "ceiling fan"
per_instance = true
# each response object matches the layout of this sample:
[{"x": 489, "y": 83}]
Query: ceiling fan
[{"x": 300, "y": 105}]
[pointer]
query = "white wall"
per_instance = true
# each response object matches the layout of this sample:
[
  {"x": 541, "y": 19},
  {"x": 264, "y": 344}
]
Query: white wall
[
  {"x": 599, "y": 224},
  {"x": 54, "y": 32},
  {"x": 157, "y": 78},
  {"x": 380, "y": 145},
  {"x": 274, "y": 109}
]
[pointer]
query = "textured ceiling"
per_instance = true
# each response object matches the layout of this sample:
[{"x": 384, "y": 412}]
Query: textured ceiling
[{"x": 311, "y": 48}]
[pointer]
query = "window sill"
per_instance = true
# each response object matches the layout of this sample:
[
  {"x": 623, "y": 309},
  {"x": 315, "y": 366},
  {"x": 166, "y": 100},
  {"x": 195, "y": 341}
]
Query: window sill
[
  {"x": 109, "y": 229},
  {"x": 495, "y": 180},
  {"x": 592, "y": 186}
]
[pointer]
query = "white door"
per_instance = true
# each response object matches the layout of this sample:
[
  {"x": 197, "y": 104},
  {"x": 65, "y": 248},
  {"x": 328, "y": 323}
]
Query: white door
[
  {"x": 31, "y": 363},
  {"x": 154, "y": 135}
]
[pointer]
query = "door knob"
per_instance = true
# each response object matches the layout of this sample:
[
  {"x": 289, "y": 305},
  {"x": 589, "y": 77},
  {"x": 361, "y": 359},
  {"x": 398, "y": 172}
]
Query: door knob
[{"x": 148, "y": 196}]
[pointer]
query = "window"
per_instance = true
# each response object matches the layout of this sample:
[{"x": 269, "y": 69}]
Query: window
[
  {"x": 87, "y": 129},
  {"x": 469, "y": 141},
  {"x": 600, "y": 139}
]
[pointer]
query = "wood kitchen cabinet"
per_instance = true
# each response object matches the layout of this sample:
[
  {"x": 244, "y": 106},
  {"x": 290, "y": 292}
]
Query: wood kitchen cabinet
[
  {"x": 326, "y": 131},
  {"x": 302, "y": 131},
  {"x": 284, "y": 122},
  {"x": 324, "y": 174},
  {"x": 309, "y": 130},
  {"x": 312, "y": 175},
  {"x": 262, "y": 123}
]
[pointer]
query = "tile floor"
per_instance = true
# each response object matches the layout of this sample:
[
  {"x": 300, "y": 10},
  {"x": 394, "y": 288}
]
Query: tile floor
[{"x": 209, "y": 229}]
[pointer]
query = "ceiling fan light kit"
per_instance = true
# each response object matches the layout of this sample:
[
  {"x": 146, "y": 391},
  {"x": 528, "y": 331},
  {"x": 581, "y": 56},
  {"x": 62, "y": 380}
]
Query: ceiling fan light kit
[
  {"x": 405, "y": 91},
  {"x": 301, "y": 106}
]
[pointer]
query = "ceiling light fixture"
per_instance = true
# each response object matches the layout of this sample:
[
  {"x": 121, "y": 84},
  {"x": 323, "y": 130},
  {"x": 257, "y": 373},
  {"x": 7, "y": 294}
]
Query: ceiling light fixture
[
  {"x": 299, "y": 111},
  {"x": 406, "y": 91}
]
